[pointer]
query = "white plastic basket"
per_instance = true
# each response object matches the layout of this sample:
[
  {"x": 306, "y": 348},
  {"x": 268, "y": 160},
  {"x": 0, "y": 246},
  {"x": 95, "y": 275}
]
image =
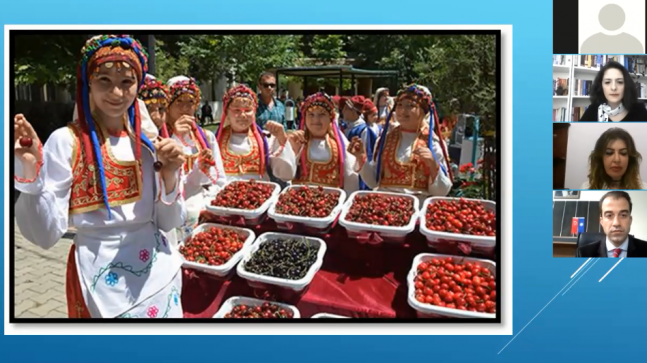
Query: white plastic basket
[
  {"x": 256, "y": 280},
  {"x": 228, "y": 305},
  {"x": 328, "y": 316},
  {"x": 429, "y": 310},
  {"x": 222, "y": 270},
  {"x": 481, "y": 244},
  {"x": 390, "y": 233},
  {"x": 249, "y": 215},
  {"x": 317, "y": 223}
]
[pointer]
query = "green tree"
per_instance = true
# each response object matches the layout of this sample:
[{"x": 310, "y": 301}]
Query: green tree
[
  {"x": 328, "y": 49},
  {"x": 47, "y": 59},
  {"x": 169, "y": 65},
  {"x": 462, "y": 67}
]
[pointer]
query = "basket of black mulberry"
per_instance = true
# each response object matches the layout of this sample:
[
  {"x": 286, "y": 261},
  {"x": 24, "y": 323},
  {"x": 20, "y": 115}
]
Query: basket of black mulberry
[{"x": 282, "y": 260}]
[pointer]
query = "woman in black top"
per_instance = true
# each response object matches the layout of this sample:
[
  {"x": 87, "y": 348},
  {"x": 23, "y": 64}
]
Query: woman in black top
[{"x": 614, "y": 97}]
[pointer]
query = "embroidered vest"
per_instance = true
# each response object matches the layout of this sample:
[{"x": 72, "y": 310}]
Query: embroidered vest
[
  {"x": 324, "y": 173},
  {"x": 240, "y": 164},
  {"x": 123, "y": 178},
  {"x": 410, "y": 174}
]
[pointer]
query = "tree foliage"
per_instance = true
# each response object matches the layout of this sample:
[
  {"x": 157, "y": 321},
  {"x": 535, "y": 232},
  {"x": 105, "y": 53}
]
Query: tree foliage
[
  {"x": 41, "y": 59},
  {"x": 460, "y": 67}
]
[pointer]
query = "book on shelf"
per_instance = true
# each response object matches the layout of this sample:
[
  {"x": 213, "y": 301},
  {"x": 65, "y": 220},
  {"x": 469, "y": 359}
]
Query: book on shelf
[
  {"x": 560, "y": 82},
  {"x": 635, "y": 65},
  {"x": 578, "y": 112},
  {"x": 593, "y": 60},
  {"x": 561, "y": 60},
  {"x": 560, "y": 114},
  {"x": 641, "y": 88},
  {"x": 583, "y": 87}
]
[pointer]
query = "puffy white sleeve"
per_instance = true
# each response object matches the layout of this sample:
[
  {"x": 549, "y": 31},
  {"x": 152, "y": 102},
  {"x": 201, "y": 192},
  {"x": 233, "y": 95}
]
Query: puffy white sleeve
[
  {"x": 42, "y": 210},
  {"x": 351, "y": 176},
  {"x": 282, "y": 160},
  {"x": 170, "y": 209},
  {"x": 368, "y": 169},
  {"x": 220, "y": 176},
  {"x": 442, "y": 184}
]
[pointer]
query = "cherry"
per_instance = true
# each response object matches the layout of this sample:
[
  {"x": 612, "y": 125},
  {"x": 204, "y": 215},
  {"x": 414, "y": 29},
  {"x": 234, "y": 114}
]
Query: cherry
[
  {"x": 26, "y": 142},
  {"x": 157, "y": 166}
]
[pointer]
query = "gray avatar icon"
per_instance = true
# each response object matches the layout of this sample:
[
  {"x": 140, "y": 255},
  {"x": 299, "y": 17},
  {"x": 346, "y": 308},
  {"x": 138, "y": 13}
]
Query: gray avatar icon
[{"x": 612, "y": 18}]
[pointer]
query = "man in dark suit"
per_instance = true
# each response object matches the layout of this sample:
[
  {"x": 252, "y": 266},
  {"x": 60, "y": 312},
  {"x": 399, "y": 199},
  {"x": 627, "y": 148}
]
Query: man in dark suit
[{"x": 615, "y": 218}]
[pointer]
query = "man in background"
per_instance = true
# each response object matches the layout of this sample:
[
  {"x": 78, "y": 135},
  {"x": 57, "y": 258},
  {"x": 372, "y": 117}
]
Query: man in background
[
  {"x": 270, "y": 108},
  {"x": 615, "y": 218},
  {"x": 207, "y": 113}
]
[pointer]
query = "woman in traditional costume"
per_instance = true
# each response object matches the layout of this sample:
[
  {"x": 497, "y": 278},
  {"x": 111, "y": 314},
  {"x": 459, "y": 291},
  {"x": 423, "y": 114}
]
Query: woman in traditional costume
[
  {"x": 370, "y": 112},
  {"x": 384, "y": 105},
  {"x": 203, "y": 168},
  {"x": 247, "y": 153},
  {"x": 354, "y": 126},
  {"x": 321, "y": 148},
  {"x": 410, "y": 158},
  {"x": 99, "y": 175},
  {"x": 155, "y": 96}
]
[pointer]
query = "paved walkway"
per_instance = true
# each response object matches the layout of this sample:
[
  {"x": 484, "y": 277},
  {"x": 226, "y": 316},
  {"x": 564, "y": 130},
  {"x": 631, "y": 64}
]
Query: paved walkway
[{"x": 40, "y": 278}]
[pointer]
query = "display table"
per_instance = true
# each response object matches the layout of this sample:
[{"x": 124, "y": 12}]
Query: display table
[{"x": 355, "y": 280}]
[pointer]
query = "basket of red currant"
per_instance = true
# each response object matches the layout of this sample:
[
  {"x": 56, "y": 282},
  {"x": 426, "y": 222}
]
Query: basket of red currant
[
  {"x": 215, "y": 249},
  {"x": 451, "y": 286}
]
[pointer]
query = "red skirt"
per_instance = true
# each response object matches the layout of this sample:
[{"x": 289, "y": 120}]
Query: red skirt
[{"x": 76, "y": 307}]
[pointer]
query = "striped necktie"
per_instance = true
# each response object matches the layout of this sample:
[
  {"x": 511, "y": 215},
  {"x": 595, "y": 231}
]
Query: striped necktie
[{"x": 616, "y": 252}]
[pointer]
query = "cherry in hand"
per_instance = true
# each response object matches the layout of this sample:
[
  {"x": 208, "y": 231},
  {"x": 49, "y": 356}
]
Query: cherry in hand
[{"x": 26, "y": 142}]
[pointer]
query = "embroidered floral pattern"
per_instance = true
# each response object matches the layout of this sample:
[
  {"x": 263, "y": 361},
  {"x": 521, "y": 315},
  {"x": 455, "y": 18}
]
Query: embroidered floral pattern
[
  {"x": 120, "y": 265},
  {"x": 144, "y": 255},
  {"x": 112, "y": 279},
  {"x": 152, "y": 312}
]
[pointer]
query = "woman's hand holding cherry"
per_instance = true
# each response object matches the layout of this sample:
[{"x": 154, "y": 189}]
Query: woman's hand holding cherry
[{"x": 26, "y": 146}]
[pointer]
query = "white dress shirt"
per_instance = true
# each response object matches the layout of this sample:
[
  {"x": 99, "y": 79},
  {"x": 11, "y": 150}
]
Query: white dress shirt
[{"x": 623, "y": 247}]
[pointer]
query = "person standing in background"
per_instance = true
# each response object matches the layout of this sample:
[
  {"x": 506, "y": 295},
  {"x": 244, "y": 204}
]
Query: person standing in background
[
  {"x": 207, "y": 112},
  {"x": 269, "y": 107}
]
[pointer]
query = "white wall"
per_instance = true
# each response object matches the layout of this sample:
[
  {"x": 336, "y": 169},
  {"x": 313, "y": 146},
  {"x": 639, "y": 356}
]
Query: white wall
[
  {"x": 581, "y": 141},
  {"x": 639, "y": 213}
]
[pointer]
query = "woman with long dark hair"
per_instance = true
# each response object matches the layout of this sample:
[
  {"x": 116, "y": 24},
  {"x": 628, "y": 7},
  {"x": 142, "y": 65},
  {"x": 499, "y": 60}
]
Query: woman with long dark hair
[
  {"x": 614, "y": 163},
  {"x": 614, "y": 97}
]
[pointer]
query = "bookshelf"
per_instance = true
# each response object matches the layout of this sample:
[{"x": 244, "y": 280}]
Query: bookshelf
[{"x": 580, "y": 71}]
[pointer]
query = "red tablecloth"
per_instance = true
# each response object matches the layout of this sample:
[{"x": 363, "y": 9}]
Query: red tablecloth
[{"x": 355, "y": 280}]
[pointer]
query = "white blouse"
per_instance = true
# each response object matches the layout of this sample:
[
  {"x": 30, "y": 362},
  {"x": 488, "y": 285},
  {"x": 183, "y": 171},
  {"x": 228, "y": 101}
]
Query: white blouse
[{"x": 121, "y": 261}]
